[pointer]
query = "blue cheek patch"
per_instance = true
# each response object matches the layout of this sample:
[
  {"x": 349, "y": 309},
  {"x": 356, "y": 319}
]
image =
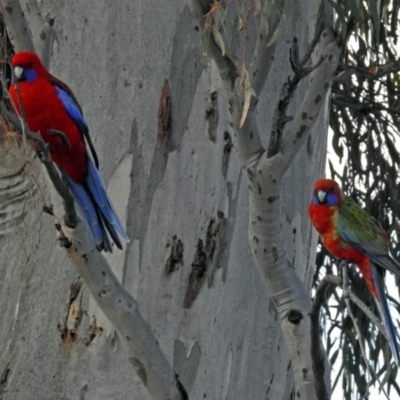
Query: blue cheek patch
[
  {"x": 30, "y": 75},
  {"x": 332, "y": 199},
  {"x": 70, "y": 106}
]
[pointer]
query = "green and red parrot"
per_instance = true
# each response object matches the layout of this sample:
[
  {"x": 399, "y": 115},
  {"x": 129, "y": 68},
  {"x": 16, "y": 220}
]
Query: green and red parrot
[{"x": 350, "y": 233}]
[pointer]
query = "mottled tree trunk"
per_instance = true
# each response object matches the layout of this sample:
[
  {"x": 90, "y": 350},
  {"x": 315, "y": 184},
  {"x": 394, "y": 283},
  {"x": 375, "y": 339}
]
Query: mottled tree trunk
[{"x": 180, "y": 189}]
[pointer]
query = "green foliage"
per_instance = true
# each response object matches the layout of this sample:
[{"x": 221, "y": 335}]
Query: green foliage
[{"x": 365, "y": 120}]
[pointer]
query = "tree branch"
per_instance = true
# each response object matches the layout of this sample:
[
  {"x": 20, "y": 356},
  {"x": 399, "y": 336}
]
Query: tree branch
[
  {"x": 263, "y": 56},
  {"x": 121, "y": 309},
  {"x": 288, "y": 89},
  {"x": 42, "y": 28},
  {"x": 312, "y": 104},
  {"x": 16, "y": 24},
  {"x": 317, "y": 353}
]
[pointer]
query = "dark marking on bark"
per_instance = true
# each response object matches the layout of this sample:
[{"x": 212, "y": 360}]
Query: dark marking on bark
[
  {"x": 181, "y": 389},
  {"x": 197, "y": 275},
  {"x": 73, "y": 314},
  {"x": 8, "y": 9},
  {"x": 227, "y": 152},
  {"x": 103, "y": 273},
  {"x": 220, "y": 214},
  {"x": 302, "y": 129},
  {"x": 49, "y": 210},
  {"x": 164, "y": 114},
  {"x": 4, "y": 380},
  {"x": 289, "y": 365},
  {"x": 294, "y": 231},
  {"x": 256, "y": 239},
  {"x": 83, "y": 391},
  {"x": 176, "y": 256},
  {"x": 298, "y": 395},
  {"x": 271, "y": 199},
  {"x": 85, "y": 257},
  {"x": 304, "y": 115},
  {"x": 259, "y": 188},
  {"x": 294, "y": 316},
  {"x": 212, "y": 116},
  {"x": 206, "y": 257},
  {"x": 265, "y": 250},
  {"x": 330, "y": 57},
  {"x": 127, "y": 338},
  {"x": 317, "y": 99},
  {"x": 64, "y": 242},
  {"x": 309, "y": 146},
  {"x": 305, "y": 374},
  {"x": 140, "y": 369},
  {"x": 275, "y": 253},
  {"x": 259, "y": 218},
  {"x": 251, "y": 135},
  {"x": 326, "y": 85},
  {"x": 94, "y": 333},
  {"x": 43, "y": 36}
]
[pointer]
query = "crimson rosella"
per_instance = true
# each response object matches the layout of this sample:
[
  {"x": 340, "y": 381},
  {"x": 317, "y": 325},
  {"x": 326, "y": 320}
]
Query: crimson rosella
[
  {"x": 51, "y": 109},
  {"x": 350, "y": 233}
]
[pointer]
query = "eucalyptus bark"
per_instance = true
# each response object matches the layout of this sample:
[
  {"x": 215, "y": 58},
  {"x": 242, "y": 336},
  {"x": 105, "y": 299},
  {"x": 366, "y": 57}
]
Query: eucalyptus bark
[{"x": 185, "y": 199}]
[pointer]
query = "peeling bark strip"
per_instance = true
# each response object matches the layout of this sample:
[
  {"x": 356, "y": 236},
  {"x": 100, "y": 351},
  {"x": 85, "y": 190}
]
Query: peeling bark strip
[
  {"x": 73, "y": 314},
  {"x": 176, "y": 256},
  {"x": 164, "y": 114},
  {"x": 205, "y": 258},
  {"x": 212, "y": 116}
]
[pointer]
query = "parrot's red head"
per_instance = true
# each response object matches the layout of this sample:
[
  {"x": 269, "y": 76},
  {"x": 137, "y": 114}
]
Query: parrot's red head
[
  {"x": 327, "y": 192},
  {"x": 27, "y": 67}
]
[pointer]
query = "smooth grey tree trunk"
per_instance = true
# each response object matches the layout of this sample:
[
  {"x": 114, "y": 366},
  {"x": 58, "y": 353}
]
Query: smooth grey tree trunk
[{"x": 184, "y": 200}]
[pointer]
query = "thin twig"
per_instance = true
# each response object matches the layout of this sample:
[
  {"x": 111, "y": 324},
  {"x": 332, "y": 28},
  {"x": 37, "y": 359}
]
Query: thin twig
[
  {"x": 289, "y": 87},
  {"x": 317, "y": 354}
]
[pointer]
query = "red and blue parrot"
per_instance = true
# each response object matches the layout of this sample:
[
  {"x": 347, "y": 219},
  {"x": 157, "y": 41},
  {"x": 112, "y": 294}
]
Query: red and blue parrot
[
  {"x": 350, "y": 233},
  {"x": 51, "y": 110}
]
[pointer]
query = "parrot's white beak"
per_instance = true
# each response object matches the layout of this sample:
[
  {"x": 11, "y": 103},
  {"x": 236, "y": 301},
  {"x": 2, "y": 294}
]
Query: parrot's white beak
[
  {"x": 321, "y": 195},
  {"x": 18, "y": 71}
]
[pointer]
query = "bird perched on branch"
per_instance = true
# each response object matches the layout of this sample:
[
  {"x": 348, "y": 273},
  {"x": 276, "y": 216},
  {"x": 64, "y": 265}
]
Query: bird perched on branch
[
  {"x": 350, "y": 233},
  {"x": 51, "y": 110}
]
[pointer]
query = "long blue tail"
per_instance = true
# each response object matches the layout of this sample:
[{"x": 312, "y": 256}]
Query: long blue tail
[
  {"x": 97, "y": 211},
  {"x": 385, "y": 313}
]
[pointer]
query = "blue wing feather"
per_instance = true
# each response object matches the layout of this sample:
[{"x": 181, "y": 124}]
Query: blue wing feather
[
  {"x": 96, "y": 209},
  {"x": 74, "y": 110},
  {"x": 385, "y": 313},
  {"x": 97, "y": 188}
]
